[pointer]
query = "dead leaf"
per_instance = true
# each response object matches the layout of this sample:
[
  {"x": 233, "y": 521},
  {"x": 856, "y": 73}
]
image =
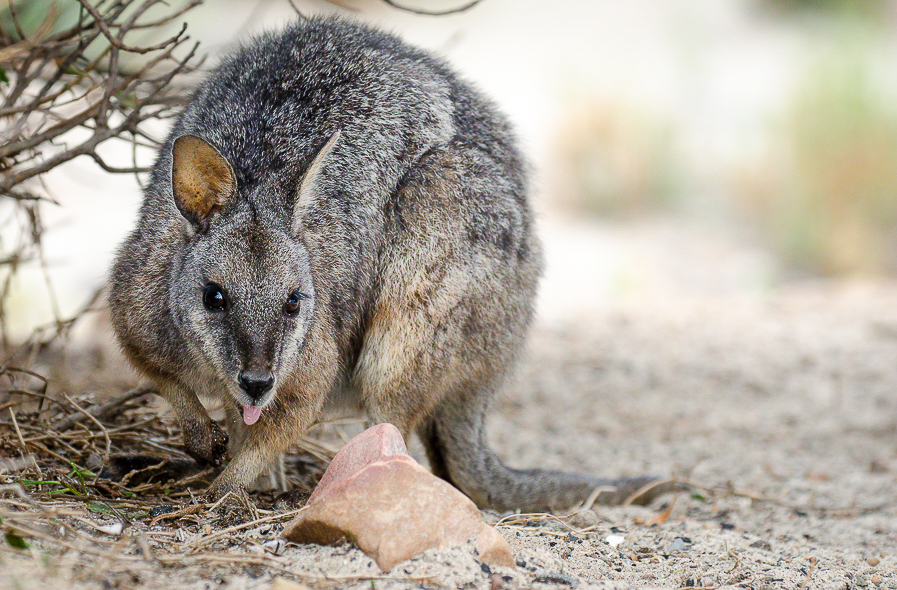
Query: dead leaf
[{"x": 663, "y": 516}]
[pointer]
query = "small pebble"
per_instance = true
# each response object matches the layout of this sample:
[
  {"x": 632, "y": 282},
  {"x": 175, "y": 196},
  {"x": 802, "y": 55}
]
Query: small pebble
[
  {"x": 161, "y": 509},
  {"x": 584, "y": 519},
  {"x": 275, "y": 546},
  {"x": 873, "y": 561},
  {"x": 111, "y": 529},
  {"x": 875, "y": 580},
  {"x": 678, "y": 544},
  {"x": 614, "y": 540}
]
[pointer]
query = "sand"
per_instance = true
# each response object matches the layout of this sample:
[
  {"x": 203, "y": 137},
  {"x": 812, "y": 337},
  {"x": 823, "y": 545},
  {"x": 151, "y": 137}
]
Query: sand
[{"x": 779, "y": 408}]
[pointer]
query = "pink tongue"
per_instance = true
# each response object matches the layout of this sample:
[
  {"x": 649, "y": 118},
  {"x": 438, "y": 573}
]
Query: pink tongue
[{"x": 251, "y": 414}]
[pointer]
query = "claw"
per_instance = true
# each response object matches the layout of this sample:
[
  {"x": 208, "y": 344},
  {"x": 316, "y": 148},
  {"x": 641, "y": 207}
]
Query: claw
[{"x": 205, "y": 442}]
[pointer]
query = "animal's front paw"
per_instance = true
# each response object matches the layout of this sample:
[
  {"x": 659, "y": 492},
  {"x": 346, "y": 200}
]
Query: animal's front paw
[{"x": 205, "y": 442}]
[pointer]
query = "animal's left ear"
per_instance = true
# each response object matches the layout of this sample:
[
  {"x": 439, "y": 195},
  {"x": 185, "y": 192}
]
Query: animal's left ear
[
  {"x": 202, "y": 181},
  {"x": 310, "y": 185}
]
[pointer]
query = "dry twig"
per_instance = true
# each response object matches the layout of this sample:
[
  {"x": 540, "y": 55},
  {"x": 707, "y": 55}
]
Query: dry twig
[
  {"x": 102, "y": 410},
  {"x": 809, "y": 574}
]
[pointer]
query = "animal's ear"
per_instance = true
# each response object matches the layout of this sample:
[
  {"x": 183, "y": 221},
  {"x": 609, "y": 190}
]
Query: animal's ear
[
  {"x": 202, "y": 180},
  {"x": 311, "y": 182}
]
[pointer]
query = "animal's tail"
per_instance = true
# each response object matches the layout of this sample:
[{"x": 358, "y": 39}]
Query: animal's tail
[{"x": 456, "y": 446}]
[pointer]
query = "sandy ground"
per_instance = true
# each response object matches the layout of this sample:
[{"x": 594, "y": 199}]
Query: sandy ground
[
  {"x": 789, "y": 398},
  {"x": 780, "y": 408}
]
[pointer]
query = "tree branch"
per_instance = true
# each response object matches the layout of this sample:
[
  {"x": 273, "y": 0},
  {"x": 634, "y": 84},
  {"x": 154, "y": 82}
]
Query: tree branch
[{"x": 462, "y": 8}]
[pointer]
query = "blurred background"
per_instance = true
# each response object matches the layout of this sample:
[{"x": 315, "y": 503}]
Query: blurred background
[{"x": 681, "y": 150}]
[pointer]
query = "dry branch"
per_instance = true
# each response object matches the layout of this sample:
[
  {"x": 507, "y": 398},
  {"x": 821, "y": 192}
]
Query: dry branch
[{"x": 462, "y": 8}]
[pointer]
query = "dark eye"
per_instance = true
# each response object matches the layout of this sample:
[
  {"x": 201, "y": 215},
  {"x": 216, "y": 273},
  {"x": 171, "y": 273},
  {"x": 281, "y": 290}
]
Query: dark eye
[
  {"x": 213, "y": 297},
  {"x": 292, "y": 304}
]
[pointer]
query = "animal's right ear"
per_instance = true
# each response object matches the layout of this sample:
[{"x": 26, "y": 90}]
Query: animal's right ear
[
  {"x": 311, "y": 182},
  {"x": 203, "y": 182}
]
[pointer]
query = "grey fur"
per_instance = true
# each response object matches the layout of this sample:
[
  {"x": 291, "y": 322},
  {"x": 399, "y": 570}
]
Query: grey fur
[{"x": 411, "y": 238}]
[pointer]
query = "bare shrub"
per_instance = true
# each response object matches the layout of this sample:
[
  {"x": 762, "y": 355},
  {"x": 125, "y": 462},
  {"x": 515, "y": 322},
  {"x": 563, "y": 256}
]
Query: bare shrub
[{"x": 65, "y": 89}]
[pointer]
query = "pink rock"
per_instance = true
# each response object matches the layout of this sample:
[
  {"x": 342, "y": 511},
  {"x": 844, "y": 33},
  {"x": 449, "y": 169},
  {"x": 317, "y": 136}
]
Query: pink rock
[
  {"x": 374, "y": 444},
  {"x": 391, "y": 507}
]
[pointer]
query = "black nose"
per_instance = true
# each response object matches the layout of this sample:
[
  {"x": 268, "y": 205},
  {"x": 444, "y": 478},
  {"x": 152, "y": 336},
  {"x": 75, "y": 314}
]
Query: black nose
[{"x": 256, "y": 383}]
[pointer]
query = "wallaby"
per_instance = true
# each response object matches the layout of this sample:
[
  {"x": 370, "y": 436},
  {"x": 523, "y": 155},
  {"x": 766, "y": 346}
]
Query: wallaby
[{"x": 336, "y": 214}]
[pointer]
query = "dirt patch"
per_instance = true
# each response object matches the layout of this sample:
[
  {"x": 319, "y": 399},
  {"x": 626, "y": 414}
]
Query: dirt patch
[{"x": 780, "y": 409}]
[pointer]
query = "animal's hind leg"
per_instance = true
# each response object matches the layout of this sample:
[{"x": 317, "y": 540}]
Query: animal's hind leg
[{"x": 456, "y": 290}]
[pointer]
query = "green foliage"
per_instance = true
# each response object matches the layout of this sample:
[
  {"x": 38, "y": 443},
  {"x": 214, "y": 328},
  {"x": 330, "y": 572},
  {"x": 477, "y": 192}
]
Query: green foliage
[
  {"x": 31, "y": 14},
  {"x": 868, "y": 7},
  {"x": 65, "y": 489},
  {"x": 80, "y": 474},
  {"x": 830, "y": 198},
  {"x": 16, "y": 541}
]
